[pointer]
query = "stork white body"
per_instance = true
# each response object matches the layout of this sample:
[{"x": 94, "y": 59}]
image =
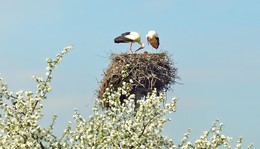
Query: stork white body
[
  {"x": 153, "y": 39},
  {"x": 130, "y": 37}
]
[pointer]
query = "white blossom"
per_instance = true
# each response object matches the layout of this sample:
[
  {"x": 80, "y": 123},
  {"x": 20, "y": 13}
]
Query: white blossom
[{"x": 121, "y": 126}]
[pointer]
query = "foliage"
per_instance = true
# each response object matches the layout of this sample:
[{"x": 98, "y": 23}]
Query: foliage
[{"x": 121, "y": 126}]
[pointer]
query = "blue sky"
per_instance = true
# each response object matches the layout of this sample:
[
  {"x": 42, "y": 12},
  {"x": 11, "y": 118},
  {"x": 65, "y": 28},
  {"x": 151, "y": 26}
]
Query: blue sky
[{"x": 215, "y": 45}]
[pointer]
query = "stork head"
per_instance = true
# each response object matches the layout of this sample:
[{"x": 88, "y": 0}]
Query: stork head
[{"x": 141, "y": 47}]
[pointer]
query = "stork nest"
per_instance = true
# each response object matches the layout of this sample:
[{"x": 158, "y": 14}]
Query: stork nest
[{"x": 147, "y": 71}]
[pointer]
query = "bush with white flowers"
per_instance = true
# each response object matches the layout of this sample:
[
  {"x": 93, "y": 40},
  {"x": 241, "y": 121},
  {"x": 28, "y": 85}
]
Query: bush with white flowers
[{"x": 121, "y": 126}]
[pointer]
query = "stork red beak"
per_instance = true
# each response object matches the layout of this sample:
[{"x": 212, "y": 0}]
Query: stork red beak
[{"x": 138, "y": 49}]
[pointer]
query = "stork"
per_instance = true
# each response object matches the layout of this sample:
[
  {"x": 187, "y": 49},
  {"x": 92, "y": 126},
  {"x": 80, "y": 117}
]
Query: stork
[
  {"x": 130, "y": 37},
  {"x": 153, "y": 39}
]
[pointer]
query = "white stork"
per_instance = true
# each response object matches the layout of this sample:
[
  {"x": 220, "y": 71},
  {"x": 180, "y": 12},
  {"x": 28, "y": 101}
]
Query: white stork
[
  {"x": 153, "y": 39},
  {"x": 130, "y": 37}
]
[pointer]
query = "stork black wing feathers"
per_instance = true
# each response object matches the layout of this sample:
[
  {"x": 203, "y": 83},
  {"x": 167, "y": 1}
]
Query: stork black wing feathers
[
  {"x": 158, "y": 41},
  {"x": 122, "y": 39},
  {"x": 126, "y": 33}
]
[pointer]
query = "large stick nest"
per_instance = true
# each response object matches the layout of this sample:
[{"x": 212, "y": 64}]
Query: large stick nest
[{"x": 147, "y": 71}]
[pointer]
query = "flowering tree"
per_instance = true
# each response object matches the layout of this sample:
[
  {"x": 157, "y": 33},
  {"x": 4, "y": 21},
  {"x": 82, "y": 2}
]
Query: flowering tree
[{"x": 121, "y": 126}]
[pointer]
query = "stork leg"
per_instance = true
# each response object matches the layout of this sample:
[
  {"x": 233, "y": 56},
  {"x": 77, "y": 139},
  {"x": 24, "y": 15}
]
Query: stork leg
[{"x": 131, "y": 47}]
